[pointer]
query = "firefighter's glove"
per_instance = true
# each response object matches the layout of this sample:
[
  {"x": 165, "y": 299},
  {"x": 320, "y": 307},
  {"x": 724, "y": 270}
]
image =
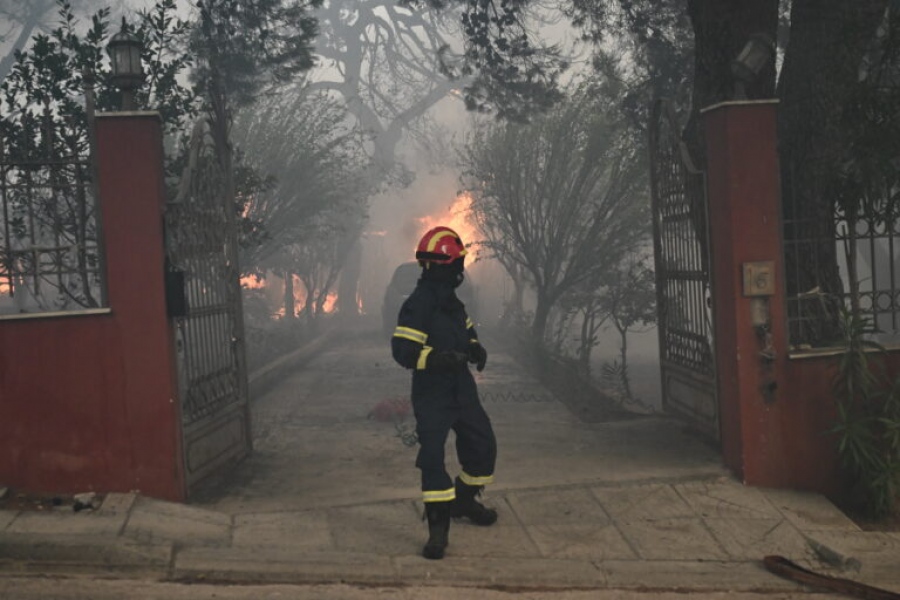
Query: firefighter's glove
[
  {"x": 477, "y": 356},
  {"x": 446, "y": 360}
]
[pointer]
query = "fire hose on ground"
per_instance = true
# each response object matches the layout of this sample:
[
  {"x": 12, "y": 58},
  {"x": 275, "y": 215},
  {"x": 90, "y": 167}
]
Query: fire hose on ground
[{"x": 783, "y": 567}]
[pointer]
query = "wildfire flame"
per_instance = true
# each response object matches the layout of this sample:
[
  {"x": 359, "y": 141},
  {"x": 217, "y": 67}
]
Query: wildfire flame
[
  {"x": 459, "y": 220},
  {"x": 330, "y": 303},
  {"x": 252, "y": 282}
]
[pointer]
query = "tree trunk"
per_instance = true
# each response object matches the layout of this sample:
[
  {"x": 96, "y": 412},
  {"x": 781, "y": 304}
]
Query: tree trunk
[
  {"x": 623, "y": 355},
  {"x": 307, "y": 313},
  {"x": 829, "y": 39},
  {"x": 348, "y": 288},
  {"x": 518, "y": 299},
  {"x": 586, "y": 345},
  {"x": 288, "y": 296},
  {"x": 541, "y": 315}
]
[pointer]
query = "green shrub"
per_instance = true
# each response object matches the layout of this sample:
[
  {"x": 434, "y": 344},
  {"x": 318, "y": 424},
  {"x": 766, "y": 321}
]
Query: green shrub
[{"x": 868, "y": 423}]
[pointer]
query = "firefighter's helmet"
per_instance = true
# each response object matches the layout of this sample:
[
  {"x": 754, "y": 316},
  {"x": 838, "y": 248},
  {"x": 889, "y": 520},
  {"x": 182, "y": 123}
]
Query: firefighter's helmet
[{"x": 440, "y": 245}]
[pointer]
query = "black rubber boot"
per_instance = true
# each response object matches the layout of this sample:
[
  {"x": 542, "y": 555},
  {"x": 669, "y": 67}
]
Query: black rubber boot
[
  {"x": 438, "y": 514},
  {"x": 467, "y": 506}
]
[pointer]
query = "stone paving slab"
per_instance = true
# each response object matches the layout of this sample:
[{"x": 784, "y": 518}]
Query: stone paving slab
[
  {"x": 66, "y": 521},
  {"x": 118, "y": 503},
  {"x": 882, "y": 573},
  {"x": 246, "y": 565},
  {"x": 809, "y": 512},
  {"x": 153, "y": 521},
  {"x": 588, "y": 541},
  {"x": 726, "y": 498},
  {"x": 307, "y": 530},
  {"x": 567, "y": 506},
  {"x": 660, "y": 539},
  {"x": 512, "y": 572},
  {"x": 642, "y": 502},
  {"x": 504, "y": 539},
  {"x": 382, "y": 528},
  {"x": 569, "y": 523},
  {"x": 7, "y": 517},
  {"x": 693, "y": 576},
  {"x": 752, "y": 539}
]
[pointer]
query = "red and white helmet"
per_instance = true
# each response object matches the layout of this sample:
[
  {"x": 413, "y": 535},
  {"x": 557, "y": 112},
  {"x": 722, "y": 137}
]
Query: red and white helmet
[{"x": 440, "y": 245}]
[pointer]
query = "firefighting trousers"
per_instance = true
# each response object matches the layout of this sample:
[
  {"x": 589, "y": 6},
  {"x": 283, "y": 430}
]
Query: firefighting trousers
[{"x": 443, "y": 402}]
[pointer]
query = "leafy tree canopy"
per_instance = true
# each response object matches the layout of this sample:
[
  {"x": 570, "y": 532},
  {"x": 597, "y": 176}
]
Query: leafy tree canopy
[
  {"x": 248, "y": 44},
  {"x": 559, "y": 197}
]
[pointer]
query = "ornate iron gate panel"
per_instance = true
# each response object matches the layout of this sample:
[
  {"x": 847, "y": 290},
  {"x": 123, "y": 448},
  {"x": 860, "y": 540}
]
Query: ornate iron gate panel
[
  {"x": 681, "y": 234},
  {"x": 202, "y": 252}
]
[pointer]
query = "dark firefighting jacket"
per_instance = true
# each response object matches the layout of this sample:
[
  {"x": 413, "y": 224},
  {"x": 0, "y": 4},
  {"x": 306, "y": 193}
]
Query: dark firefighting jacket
[{"x": 432, "y": 319}]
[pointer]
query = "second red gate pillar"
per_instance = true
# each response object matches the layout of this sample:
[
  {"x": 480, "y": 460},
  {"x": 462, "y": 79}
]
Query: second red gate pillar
[{"x": 748, "y": 285}]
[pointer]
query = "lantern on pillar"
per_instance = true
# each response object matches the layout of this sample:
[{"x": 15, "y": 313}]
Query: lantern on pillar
[
  {"x": 125, "y": 55},
  {"x": 754, "y": 56}
]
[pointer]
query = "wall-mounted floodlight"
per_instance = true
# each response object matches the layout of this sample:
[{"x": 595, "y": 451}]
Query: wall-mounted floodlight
[{"x": 756, "y": 54}]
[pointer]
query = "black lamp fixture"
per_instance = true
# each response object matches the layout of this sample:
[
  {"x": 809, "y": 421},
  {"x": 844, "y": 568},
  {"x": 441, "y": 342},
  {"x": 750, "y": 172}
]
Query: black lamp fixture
[
  {"x": 753, "y": 58},
  {"x": 125, "y": 55}
]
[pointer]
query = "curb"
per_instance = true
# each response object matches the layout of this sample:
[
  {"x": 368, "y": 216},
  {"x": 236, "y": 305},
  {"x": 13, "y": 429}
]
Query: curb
[
  {"x": 261, "y": 566},
  {"x": 80, "y": 554}
]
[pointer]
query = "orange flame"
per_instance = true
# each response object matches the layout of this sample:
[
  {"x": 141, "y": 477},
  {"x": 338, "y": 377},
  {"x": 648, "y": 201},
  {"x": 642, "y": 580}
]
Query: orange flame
[
  {"x": 252, "y": 282},
  {"x": 330, "y": 303},
  {"x": 329, "y": 306},
  {"x": 459, "y": 220}
]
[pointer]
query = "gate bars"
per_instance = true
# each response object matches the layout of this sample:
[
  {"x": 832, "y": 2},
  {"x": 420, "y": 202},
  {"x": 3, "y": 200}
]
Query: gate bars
[
  {"x": 202, "y": 245},
  {"x": 682, "y": 265}
]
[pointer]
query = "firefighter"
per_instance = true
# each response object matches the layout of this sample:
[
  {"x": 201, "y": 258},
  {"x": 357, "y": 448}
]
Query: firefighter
[{"x": 437, "y": 340}]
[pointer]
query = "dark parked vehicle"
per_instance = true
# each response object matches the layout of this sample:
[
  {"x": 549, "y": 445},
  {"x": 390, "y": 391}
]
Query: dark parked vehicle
[{"x": 401, "y": 286}]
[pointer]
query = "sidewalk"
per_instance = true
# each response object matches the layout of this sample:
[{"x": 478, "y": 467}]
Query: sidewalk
[
  {"x": 697, "y": 535},
  {"x": 330, "y": 496}
]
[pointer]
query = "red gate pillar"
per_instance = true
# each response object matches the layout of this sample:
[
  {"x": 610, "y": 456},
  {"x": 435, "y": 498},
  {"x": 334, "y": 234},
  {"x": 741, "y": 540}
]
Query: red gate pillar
[
  {"x": 745, "y": 231},
  {"x": 132, "y": 196}
]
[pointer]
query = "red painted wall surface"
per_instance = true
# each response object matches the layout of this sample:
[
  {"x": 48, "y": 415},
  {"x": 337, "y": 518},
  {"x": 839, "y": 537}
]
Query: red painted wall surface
[
  {"x": 89, "y": 402},
  {"x": 800, "y": 434}
]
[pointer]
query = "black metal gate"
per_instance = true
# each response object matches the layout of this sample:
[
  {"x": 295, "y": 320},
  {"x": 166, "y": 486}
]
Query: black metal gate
[
  {"x": 201, "y": 237},
  {"x": 681, "y": 234}
]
